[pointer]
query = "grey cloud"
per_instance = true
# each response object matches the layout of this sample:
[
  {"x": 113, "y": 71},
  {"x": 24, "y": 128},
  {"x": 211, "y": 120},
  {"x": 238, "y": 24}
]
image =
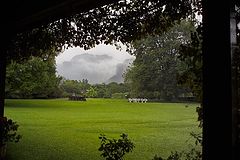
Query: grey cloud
[
  {"x": 95, "y": 68},
  {"x": 99, "y": 65},
  {"x": 91, "y": 58}
]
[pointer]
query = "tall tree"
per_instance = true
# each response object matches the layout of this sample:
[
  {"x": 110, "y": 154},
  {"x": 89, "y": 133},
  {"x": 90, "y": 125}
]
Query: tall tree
[
  {"x": 191, "y": 54},
  {"x": 34, "y": 78},
  {"x": 91, "y": 92},
  {"x": 155, "y": 69}
]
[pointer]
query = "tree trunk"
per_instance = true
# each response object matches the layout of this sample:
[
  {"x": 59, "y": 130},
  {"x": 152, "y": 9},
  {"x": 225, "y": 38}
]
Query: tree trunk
[
  {"x": 2, "y": 80},
  {"x": 3, "y": 151}
]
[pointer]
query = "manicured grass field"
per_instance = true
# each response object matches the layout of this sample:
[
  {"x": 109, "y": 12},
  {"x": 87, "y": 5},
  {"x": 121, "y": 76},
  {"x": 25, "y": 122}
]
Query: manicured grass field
[{"x": 69, "y": 130}]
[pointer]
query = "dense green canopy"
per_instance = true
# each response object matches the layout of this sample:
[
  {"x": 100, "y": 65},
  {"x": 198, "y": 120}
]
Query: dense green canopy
[
  {"x": 156, "y": 67},
  {"x": 123, "y": 21}
]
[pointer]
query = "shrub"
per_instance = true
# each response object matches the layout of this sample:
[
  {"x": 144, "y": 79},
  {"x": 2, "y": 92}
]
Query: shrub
[
  {"x": 8, "y": 131},
  {"x": 113, "y": 149}
]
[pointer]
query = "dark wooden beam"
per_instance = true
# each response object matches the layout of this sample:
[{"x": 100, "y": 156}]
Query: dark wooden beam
[{"x": 53, "y": 11}]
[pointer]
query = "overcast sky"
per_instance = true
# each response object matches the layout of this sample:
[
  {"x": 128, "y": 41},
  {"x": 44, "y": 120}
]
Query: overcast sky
[{"x": 102, "y": 64}]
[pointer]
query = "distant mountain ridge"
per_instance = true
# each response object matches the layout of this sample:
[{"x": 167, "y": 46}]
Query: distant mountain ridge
[{"x": 121, "y": 68}]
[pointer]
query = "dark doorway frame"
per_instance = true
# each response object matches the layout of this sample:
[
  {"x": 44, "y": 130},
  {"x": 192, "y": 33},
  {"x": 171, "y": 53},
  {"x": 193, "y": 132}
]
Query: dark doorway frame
[{"x": 218, "y": 95}]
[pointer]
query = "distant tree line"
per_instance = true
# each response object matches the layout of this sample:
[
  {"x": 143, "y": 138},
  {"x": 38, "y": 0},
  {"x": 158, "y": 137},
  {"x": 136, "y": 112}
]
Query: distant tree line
[
  {"x": 36, "y": 78},
  {"x": 33, "y": 78},
  {"x": 83, "y": 88}
]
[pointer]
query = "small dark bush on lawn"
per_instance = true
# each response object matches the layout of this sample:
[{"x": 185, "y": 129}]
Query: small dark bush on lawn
[
  {"x": 8, "y": 131},
  {"x": 113, "y": 149}
]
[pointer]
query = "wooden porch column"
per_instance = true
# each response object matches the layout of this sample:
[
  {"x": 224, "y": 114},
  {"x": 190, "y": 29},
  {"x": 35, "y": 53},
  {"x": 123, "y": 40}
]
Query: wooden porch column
[
  {"x": 217, "y": 82},
  {"x": 2, "y": 79},
  {"x": 234, "y": 58}
]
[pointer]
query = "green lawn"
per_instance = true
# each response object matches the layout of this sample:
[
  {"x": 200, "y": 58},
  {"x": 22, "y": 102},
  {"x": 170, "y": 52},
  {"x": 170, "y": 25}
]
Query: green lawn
[{"x": 68, "y": 130}]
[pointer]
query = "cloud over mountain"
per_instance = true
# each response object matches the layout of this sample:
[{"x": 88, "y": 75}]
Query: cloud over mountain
[
  {"x": 101, "y": 64},
  {"x": 95, "y": 68}
]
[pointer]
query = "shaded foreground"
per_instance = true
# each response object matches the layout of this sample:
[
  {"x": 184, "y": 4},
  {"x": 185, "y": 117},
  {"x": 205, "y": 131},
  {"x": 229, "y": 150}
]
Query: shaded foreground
[{"x": 69, "y": 130}]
